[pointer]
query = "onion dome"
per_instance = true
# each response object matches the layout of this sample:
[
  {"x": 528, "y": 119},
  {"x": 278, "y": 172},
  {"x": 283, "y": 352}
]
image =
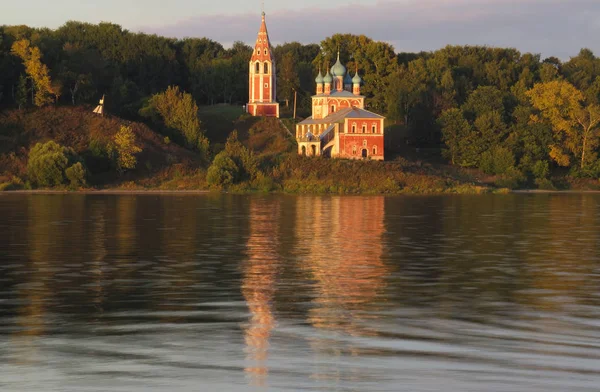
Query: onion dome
[
  {"x": 328, "y": 78},
  {"x": 319, "y": 79},
  {"x": 348, "y": 79},
  {"x": 356, "y": 79},
  {"x": 338, "y": 69}
]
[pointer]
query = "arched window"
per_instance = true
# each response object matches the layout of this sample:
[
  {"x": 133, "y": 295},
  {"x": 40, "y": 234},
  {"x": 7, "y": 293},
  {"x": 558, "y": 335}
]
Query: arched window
[
  {"x": 332, "y": 108},
  {"x": 374, "y": 129},
  {"x": 364, "y": 129},
  {"x": 266, "y": 52},
  {"x": 353, "y": 128},
  {"x": 257, "y": 68},
  {"x": 354, "y": 149},
  {"x": 304, "y": 150},
  {"x": 266, "y": 68},
  {"x": 374, "y": 150}
]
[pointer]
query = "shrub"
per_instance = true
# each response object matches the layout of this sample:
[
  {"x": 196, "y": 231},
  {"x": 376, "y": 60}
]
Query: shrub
[
  {"x": 47, "y": 163},
  {"x": 544, "y": 183},
  {"x": 511, "y": 179},
  {"x": 223, "y": 171},
  {"x": 497, "y": 160},
  {"x": 126, "y": 148},
  {"x": 76, "y": 175},
  {"x": 541, "y": 170}
]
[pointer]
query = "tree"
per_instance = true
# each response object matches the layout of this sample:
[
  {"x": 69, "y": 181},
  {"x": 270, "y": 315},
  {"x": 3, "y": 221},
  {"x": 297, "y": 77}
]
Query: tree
[
  {"x": 47, "y": 163},
  {"x": 21, "y": 93},
  {"x": 287, "y": 78},
  {"x": 455, "y": 133},
  {"x": 223, "y": 171},
  {"x": 574, "y": 122},
  {"x": 37, "y": 71},
  {"x": 76, "y": 175},
  {"x": 126, "y": 148},
  {"x": 179, "y": 112}
]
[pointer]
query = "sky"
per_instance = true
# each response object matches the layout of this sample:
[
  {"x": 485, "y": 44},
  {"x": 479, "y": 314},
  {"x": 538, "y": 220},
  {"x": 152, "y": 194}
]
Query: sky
[{"x": 550, "y": 27}]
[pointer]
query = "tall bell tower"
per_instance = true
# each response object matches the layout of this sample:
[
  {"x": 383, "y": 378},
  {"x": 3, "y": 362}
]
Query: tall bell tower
[{"x": 263, "y": 80}]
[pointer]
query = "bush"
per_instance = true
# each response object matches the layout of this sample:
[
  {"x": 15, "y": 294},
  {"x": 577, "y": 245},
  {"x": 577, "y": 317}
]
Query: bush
[
  {"x": 511, "y": 179},
  {"x": 544, "y": 183},
  {"x": 223, "y": 171},
  {"x": 76, "y": 175},
  {"x": 541, "y": 170},
  {"x": 126, "y": 148},
  {"x": 47, "y": 163},
  {"x": 498, "y": 161}
]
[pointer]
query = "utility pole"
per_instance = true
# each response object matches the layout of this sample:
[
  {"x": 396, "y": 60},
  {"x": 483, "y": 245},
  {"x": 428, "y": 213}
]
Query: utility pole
[{"x": 295, "y": 98}]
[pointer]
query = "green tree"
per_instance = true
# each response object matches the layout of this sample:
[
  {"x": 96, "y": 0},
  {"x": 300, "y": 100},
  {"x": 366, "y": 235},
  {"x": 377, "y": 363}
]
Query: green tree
[
  {"x": 47, "y": 163},
  {"x": 76, "y": 175},
  {"x": 287, "y": 79},
  {"x": 456, "y": 134},
  {"x": 126, "y": 148},
  {"x": 179, "y": 112},
  {"x": 223, "y": 171},
  {"x": 21, "y": 93}
]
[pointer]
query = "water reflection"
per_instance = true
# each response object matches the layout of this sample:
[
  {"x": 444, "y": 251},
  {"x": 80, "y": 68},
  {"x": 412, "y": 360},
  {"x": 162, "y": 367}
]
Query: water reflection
[
  {"x": 258, "y": 285},
  {"x": 494, "y": 293}
]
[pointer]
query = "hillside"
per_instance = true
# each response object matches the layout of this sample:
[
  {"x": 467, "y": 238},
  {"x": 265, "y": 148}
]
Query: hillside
[{"x": 88, "y": 135}]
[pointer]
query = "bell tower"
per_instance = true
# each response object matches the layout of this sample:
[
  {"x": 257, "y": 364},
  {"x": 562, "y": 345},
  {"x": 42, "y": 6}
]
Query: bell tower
[{"x": 263, "y": 81}]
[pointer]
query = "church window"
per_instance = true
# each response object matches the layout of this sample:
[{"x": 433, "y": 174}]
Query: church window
[
  {"x": 364, "y": 143},
  {"x": 364, "y": 129},
  {"x": 354, "y": 149},
  {"x": 353, "y": 128},
  {"x": 266, "y": 85},
  {"x": 332, "y": 108},
  {"x": 374, "y": 150},
  {"x": 257, "y": 68},
  {"x": 266, "y": 68},
  {"x": 265, "y": 52},
  {"x": 374, "y": 129}
]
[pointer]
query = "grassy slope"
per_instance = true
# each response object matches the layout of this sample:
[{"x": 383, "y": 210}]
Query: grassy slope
[{"x": 78, "y": 128}]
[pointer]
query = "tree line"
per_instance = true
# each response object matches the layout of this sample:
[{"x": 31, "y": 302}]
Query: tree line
[{"x": 514, "y": 115}]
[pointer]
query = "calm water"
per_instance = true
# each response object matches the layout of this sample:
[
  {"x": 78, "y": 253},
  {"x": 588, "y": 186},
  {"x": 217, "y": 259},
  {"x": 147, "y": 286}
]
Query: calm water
[{"x": 253, "y": 293}]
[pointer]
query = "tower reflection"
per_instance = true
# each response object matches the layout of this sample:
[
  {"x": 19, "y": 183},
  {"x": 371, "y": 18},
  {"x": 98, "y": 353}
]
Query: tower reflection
[{"x": 258, "y": 285}]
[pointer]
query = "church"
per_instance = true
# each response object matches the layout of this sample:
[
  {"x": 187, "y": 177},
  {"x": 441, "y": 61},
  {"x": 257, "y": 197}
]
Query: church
[{"x": 340, "y": 126}]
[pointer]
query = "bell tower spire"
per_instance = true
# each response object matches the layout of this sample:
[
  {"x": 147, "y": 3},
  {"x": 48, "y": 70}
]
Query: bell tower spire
[{"x": 263, "y": 82}]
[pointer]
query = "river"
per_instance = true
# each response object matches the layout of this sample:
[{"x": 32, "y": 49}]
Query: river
[{"x": 299, "y": 293}]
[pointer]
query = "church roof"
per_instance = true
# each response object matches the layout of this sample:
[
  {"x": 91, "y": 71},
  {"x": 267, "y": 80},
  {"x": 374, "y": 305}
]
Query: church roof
[
  {"x": 262, "y": 48},
  {"x": 340, "y": 116},
  {"x": 338, "y": 69},
  {"x": 338, "y": 94}
]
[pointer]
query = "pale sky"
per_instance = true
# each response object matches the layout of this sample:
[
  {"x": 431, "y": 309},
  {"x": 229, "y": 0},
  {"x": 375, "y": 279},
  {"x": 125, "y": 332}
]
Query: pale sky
[{"x": 550, "y": 27}]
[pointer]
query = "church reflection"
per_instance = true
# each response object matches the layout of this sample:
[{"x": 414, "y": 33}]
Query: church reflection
[
  {"x": 349, "y": 278},
  {"x": 258, "y": 285}
]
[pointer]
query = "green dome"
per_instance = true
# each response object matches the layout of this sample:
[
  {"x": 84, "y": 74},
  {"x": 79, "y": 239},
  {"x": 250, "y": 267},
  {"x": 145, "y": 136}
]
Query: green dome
[
  {"x": 328, "y": 78},
  {"x": 319, "y": 79},
  {"x": 356, "y": 79},
  {"x": 338, "y": 69},
  {"x": 348, "y": 79}
]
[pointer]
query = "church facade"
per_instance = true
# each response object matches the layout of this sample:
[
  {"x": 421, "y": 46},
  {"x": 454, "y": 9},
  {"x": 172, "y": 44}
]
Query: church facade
[
  {"x": 263, "y": 81},
  {"x": 339, "y": 127}
]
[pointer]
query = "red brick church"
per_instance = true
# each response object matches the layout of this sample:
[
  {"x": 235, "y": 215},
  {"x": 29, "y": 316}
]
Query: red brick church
[
  {"x": 263, "y": 81},
  {"x": 339, "y": 127}
]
